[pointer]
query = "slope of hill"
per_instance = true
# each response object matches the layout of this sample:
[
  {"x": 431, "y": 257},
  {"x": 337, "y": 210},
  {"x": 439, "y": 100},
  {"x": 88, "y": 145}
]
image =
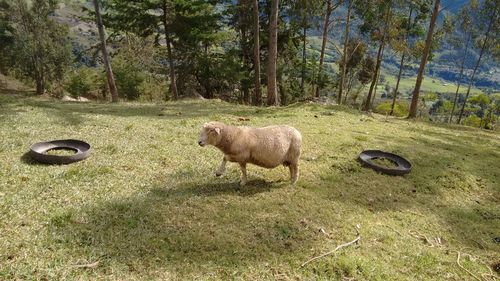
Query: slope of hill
[{"x": 146, "y": 204}]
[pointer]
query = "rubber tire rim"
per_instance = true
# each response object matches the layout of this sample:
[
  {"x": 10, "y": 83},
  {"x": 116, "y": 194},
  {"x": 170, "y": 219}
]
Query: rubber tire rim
[
  {"x": 38, "y": 151},
  {"x": 403, "y": 165}
]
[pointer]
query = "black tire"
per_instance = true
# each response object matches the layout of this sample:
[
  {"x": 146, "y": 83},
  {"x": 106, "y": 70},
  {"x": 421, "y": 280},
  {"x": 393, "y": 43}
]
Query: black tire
[
  {"x": 403, "y": 165},
  {"x": 38, "y": 151}
]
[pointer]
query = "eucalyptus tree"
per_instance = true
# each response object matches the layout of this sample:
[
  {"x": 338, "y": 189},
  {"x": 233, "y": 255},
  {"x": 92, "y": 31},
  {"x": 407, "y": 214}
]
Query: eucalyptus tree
[
  {"x": 376, "y": 16},
  {"x": 107, "y": 64},
  {"x": 144, "y": 18},
  {"x": 272, "y": 91},
  {"x": 425, "y": 56},
  {"x": 489, "y": 23},
  {"x": 462, "y": 39},
  {"x": 330, "y": 8},
  {"x": 344, "y": 53},
  {"x": 411, "y": 29},
  {"x": 257, "y": 100}
]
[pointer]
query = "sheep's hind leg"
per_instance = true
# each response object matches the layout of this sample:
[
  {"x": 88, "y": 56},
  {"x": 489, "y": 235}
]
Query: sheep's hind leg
[
  {"x": 243, "y": 167},
  {"x": 294, "y": 172},
  {"x": 222, "y": 167}
]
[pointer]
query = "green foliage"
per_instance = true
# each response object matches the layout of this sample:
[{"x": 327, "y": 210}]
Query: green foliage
[
  {"x": 81, "y": 81},
  {"x": 40, "y": 46},
  {"x": 153, "y": 90},
  {"x": 400, "y": 108},
  {"x": 472, "y": 120},
  {"x": 128, "y": 77}
]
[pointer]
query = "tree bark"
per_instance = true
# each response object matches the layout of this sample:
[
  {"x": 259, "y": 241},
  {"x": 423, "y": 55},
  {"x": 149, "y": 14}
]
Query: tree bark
[
  {"x": 40, "y": 87},
  {"x": 344, "y": 54},
  {"x": 401, "y": 65},
  {"x": 107, "y": 64},
  {"x": 323, "y": 43},
  {"x": 460, "y": 76},
  {"x": 423, "y": 62},
  {"x": 272, "y": 95},
  {"x": 168, "y": 41},
  {"x": 483, "y": 48},
  {"x": 304, "y": 60},
  {"x": 367, "y": 104},
  {"x": 256, "y": 54},
  {"x": 377, "y": 79},
  {"x": 380, "y": 52},
  {"x": 244, "y": 45}
]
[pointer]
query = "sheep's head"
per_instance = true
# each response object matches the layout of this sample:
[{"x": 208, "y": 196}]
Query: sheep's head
[{"x": 210, "y": 134}]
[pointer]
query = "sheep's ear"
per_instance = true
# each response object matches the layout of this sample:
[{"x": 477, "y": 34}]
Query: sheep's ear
[{"x": 217, "y": 130}]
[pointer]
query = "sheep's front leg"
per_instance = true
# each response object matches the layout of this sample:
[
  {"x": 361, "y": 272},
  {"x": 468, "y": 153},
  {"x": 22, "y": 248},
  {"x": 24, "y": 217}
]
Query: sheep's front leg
[
  {"x": 243, "y": 167},
  {"x": 222, "y": 167}
]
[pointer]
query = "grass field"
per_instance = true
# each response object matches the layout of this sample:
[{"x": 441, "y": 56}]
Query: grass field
[{"x": 147, "y": 205}]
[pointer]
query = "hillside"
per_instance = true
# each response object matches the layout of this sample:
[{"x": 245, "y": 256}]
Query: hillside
[{"x": 146, "y": 204}]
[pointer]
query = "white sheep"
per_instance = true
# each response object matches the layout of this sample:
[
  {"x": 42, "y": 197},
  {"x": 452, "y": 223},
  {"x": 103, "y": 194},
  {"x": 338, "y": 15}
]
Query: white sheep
[{"x": 266, "y": 147}]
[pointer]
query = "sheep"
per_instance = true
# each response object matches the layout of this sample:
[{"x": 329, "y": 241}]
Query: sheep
[{"x": 266, "y": 147}]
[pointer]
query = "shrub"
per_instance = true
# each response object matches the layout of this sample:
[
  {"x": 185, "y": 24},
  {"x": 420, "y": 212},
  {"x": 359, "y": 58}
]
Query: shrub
[
  {"x": 153, "y": 90},
  {"x": 81, "y": 81},
  {"x": 472, "y": 120},
  {"x": 400, "y": 108},
  {"x": 128, "y": 78}
]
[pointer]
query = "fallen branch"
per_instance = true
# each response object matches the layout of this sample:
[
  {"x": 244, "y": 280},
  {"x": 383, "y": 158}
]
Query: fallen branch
[
  {"x": 336, "y": 249},
  {"x": 420, "y": 236},
  {"x": 88, "y": 265},
  {"x": 465, "y": 269}
]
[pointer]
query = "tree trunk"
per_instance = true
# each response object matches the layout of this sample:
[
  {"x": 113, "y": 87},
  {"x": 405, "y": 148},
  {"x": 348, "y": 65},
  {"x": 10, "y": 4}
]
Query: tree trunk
[
  {"x": 168, "y": 41},
  {"x": 256, "y": 54},
  {"x": 394, "y": 96},
  {"x": 344, "y": 54},
  {"x": 304, "y": 61},
  {"x": 40, "y": 87},
  {"x": 349, "y": 86},
  {"x": 380, "y": 52},
  {"x": 483, "y": 48},
  {"x": 245, "y": 54},
  {"x": 367, "y": 104},
  {"x": 272, "y": 95},
  {"x": 105, "y": 57},
  {"x": 377, "y": 79},
  {"x": 401, "y": 65},
  {"x": 323, "y": 43},
  {"x": 460, "y": 76},
  {"x": 423, "y": 62}
]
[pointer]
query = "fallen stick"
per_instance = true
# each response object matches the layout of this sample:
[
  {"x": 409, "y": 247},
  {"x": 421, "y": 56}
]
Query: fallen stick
[
  {"x": 458, "y": 262},
  {"x": 336, "y": 249}
]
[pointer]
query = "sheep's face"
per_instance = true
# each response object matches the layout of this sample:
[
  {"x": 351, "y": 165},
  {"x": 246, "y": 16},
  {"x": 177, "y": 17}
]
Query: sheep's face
[{"x": 210, "y": 134}]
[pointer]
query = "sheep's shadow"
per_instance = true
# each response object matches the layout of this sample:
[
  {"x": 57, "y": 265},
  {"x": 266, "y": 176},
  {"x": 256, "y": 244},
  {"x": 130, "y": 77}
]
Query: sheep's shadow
[
  {"x": 253, "y": 187},
  {"x": 179, "y": 226}
]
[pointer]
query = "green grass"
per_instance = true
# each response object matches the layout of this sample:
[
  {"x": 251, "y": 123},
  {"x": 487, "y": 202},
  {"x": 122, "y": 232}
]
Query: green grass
[
  {"x": 147, "y": 205},
  {"x": 61, "y": 152},
  {"x": 383, "y": 162}
]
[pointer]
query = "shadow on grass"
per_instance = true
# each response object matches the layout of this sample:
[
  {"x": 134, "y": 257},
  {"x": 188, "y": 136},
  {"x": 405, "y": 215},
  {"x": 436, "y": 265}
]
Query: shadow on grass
[
  {"x": 215, "y": 189},
  {"x": 451, "y": 180},
  {"x": 183, "y": 227},
  {"x": 26, "y": 159},
  {"x": 73, "y": 112}
]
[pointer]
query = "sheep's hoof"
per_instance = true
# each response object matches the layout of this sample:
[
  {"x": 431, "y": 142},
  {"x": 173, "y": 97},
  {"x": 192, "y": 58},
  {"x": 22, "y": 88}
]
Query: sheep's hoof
[{"x": 218, "y": 174}]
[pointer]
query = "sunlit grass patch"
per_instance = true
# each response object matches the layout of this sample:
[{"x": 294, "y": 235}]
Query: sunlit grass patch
[{"x": 146, "y": 204}]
